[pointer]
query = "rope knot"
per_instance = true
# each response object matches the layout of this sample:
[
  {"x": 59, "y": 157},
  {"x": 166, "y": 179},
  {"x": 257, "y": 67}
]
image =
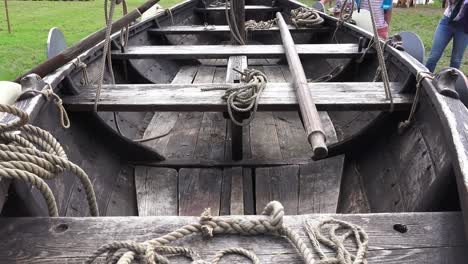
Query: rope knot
[
  {"x": 49, "y": 93},
  {"x": 275, "y": 210},
  {"x": 206, "y": 221}
]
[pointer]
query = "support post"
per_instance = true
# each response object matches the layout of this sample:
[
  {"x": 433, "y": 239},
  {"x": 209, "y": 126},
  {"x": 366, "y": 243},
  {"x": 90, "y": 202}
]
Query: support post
[
  {"x": 7, "y": 17},
  {"x": 309, "y": 113},
  {"x": 238, "y": 63},
  {"x": 238, "y": 10}
]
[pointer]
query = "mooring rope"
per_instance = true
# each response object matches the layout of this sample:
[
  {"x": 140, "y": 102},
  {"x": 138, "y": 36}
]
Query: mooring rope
[
  {"x": 381, "y": 59},
  {"x": 271, "y": 223},
  {"x": 243, "y": 98},
  {"x": 232, "y": 23},
  {"x": 305, "y": 17},
  {"x": 31, "y": 154}
]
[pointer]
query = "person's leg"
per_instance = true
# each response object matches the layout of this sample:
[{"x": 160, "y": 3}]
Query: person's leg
[
  {"x": 442, "y": 37},
  {"x": 460, "y": 41}
]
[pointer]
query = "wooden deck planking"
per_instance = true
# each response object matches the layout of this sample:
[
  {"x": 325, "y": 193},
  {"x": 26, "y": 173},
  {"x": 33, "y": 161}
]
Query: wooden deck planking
[
  {"x": 156, "y": 188},
  {"x": 361, "y": 96},
  {"x": 252, "y": 8},
  {"x": 431, "y": 238},
  {"x": 201, "y": 188},
  {"x": 225, "y": 51}
]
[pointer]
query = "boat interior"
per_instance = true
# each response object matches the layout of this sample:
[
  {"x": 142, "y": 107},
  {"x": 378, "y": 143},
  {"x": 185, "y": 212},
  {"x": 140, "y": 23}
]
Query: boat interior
[{"x": 203, "y": 160}]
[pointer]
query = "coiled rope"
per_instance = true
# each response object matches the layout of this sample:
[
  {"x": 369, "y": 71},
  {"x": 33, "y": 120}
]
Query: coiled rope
[
  {"x": 271, "y": 223},
  {"x": 34, "y": 155},
  {"x": 305, "y": 17},
  {"x": 244, "y": 97}
]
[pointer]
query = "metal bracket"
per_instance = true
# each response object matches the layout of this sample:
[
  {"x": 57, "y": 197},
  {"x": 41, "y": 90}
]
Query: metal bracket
[{"x": 445, "y": 82}]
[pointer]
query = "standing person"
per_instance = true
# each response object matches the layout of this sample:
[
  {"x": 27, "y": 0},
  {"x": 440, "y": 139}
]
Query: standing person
[
  {"x": 382, "y": 16},
  {"x": 453, "y": 25}
]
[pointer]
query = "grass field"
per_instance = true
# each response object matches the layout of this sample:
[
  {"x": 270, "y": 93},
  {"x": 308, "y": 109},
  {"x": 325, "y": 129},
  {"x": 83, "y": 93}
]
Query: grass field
[{"x": 31, "y": 21}]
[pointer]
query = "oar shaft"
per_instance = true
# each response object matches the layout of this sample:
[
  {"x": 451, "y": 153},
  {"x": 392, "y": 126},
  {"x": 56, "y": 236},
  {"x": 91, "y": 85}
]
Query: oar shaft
[
  {"x": 309, "y": 113},
  {"x": 72, "y": 52}
]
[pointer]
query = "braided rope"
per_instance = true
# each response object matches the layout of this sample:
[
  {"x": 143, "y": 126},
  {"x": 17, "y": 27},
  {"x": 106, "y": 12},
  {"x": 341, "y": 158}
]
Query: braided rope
[
  {"x": 243, "y": 98},
  {"x": 37, "y": 155},
  {"x": 155, "y": 250},
  {"x": 305, "y": 17}
]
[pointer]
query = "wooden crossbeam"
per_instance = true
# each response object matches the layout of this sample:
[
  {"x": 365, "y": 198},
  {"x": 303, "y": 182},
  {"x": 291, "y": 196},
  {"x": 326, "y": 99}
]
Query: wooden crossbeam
[
  {"x": 225, "y": 51},
  {"x": 249, "y": 8},
  {"x": 428, "y": 237},
  {"x": 363, "y": 96},
  {"x": 211, "y": 29}
]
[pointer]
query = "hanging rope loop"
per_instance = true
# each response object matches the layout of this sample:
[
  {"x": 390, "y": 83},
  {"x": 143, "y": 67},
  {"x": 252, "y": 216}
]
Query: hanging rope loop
[
  {"x": 420, "y": 76},
  {"x": 305, "y": 17}
]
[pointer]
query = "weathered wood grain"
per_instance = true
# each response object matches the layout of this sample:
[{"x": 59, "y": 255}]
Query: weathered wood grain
[
  {"x": 431, "y": 237},
  {"x": 156, "y": 190},
  {"x": 276, "y": 97},
  {"x": 224, "y": 51},
  {"x": 199, "y": 189},
  {"x": 280, "y": 184},
  {"x": 213, "y": 29}
]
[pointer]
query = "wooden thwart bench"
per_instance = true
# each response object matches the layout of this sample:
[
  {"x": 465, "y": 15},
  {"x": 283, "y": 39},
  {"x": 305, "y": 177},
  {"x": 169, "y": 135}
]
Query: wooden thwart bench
[
  {"x": 225, "y": 29},
  {"x": 249, "y": 8},
  {"x": 430, "y": 237},
  {"x": 224, "y": 51},
  {"x": 276, "y": 97}
]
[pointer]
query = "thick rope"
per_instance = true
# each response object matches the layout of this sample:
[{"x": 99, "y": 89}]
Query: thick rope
[
  {"x": 420, "y": 76},
  {"x": 343, "y": 17},
  {"x": 381, "y": 58},
  {"x": 232, "y": 23},
  {"x": 243, "y": 98},
  {"x": 157, "y": 250},
  {"x": 305, "y": 17},
  {"x": 252, "y": 25},
  {"x": 84, "y": 72},
  {"x": 336, "y": 242},
  {"x": 33, "y": 154}
]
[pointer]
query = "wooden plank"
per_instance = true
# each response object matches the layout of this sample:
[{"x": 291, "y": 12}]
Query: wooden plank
[
  {"x": 213, "y": 29},
  {"x": 199, "y": 189},
  {"x": 232, "y": 196},
  {"x": 43, "y": 240},
  {"x": 251, "y": 8},
  {"x": 280, "y": 184},
  {"x": 264, "y": 142},
  {"x": 224, "y": 51},
  {"x": 277, "y": 96},
  {"x": 156, "y": 190},
  {"x": 320, "y": 181}
]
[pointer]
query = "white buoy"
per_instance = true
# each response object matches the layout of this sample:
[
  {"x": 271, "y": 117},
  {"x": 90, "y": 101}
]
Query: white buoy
[{"x": 9, "y": 92}]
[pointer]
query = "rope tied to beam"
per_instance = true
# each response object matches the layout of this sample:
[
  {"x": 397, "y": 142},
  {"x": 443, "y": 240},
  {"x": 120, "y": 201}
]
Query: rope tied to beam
[
  {"x": 243, "y": 98},
  {"x": 31, "y": 154},
  {"x": 305, "y": 17},
  {"x": 254, "y": 25},
  {"x": 420, "y": 76},
  {"x": 271, "y": 223}
]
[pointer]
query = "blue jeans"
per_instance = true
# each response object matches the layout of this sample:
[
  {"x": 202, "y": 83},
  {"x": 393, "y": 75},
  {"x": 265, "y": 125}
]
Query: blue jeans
[{"x": 443, "y": 34}]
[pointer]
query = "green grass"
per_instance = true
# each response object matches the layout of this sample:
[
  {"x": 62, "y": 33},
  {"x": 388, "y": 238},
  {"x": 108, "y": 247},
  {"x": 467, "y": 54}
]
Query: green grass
[{"x": 31, "y": 21}]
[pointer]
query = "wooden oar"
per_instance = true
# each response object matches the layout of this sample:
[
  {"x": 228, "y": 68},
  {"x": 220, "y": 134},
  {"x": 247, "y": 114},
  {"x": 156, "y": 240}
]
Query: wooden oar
[
  {"x": 312, "y": 122},
  {"x": 72, "y": 52}
]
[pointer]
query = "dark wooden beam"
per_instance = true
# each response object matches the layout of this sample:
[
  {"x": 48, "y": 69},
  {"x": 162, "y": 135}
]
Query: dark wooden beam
[
  {"x": 49, "y": 240},
  {"x": 219, "y": 29},
  {"x": 248, "y": 8},
  {"x": 225, "y": 51},
  {"x": 276, "y": 97},
  {"x": 238, "y": 13},
  {"x": 309, "y": 113}
]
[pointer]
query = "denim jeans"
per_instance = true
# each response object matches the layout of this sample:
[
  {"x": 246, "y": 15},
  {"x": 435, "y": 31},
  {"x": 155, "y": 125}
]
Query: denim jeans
[{"x": 443, "y": 34}]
